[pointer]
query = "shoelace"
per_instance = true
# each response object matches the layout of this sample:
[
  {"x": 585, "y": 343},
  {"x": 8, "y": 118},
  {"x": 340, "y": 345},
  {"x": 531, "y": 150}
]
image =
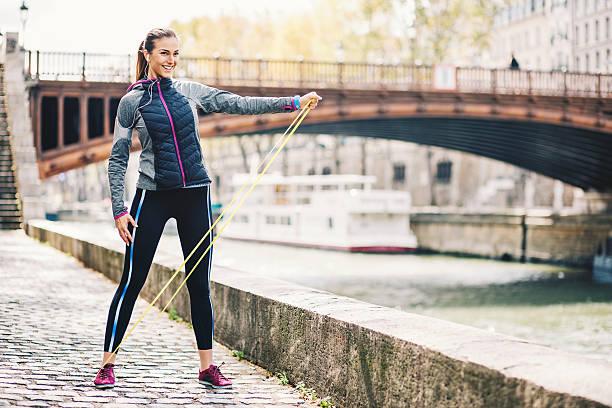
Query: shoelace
[
  {"x": 105, "y": 372},
  {"x": 216, "y": 372}
]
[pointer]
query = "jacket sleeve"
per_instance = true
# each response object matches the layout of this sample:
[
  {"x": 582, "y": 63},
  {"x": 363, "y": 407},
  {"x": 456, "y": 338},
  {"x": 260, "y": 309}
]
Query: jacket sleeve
[
  {"x": 119, "y": 156},
  {"x": 216, "y": 100}
]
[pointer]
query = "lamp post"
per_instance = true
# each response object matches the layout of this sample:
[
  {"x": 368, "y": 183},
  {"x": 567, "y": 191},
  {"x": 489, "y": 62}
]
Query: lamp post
[{"x": 23, "y": 15}]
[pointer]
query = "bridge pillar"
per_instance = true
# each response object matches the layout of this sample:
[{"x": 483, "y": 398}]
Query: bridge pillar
[
  {"x": 594, "y": 202},
  {"x": 27, "y": 175}
]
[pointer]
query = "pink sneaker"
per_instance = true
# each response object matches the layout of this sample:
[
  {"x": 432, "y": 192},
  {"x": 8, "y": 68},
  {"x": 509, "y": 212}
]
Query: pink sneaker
[
  {"x": 212, "y": 376},
  {"x": 105, "y": 377}
]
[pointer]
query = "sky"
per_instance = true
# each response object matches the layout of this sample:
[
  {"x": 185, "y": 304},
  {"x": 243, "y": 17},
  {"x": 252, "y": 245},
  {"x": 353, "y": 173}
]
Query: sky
[{"x": 116, "y": 26}]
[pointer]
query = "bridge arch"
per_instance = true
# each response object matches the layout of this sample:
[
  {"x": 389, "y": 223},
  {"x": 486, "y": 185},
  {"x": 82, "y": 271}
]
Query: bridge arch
[{"x": 576, "y": 154}]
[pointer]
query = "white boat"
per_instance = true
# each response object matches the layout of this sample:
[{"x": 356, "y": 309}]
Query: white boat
[{"x": 340, "y": 212}]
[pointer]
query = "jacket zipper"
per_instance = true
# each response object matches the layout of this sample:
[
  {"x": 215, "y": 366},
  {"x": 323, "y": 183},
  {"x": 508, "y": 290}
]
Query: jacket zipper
[{"x": 173, "y": 133}]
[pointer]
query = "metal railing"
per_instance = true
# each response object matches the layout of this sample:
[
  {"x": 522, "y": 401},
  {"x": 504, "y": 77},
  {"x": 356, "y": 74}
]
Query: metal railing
[{"x": 65, "y": 66}]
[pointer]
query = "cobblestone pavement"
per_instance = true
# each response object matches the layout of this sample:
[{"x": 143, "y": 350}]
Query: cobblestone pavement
[{"x": 52, "y": 318}]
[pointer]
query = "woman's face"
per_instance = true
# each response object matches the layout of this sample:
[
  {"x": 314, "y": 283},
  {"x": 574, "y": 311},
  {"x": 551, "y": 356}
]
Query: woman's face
[{"x": 164, "y": 57}]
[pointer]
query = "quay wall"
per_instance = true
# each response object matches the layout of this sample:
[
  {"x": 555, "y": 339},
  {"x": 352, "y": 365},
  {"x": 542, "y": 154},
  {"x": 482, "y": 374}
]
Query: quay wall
[{"x": 566, "y": 239}]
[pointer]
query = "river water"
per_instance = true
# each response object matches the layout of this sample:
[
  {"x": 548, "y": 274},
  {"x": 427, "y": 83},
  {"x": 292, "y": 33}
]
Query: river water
[{"x": 551, "y": 305}]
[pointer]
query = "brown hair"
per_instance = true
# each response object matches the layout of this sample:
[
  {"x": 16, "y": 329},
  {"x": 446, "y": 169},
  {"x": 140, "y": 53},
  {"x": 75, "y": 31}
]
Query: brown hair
[{"x": 148, "y": 44}]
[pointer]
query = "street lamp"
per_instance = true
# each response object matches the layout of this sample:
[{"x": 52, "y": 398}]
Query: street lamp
[{"x": 23, "y": 14}]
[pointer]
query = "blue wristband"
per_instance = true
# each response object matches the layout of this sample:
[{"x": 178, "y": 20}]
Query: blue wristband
[{"x": 296, "y": 102}]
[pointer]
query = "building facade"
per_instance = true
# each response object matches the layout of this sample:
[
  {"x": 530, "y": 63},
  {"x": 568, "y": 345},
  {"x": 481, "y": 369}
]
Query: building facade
[
  {"x": 573, "y": 35},
  {"x": 536, "y": 32},
  {"x": 592, "y": 35}
]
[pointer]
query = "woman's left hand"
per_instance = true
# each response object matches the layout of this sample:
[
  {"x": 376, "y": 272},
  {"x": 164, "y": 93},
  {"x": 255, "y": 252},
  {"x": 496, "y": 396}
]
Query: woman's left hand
[{"x": 311, "y": 97}]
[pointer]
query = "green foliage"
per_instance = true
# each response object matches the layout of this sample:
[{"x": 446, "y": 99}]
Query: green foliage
[
  {"x": 282, "y": 378},
  {"x": 326, "y": 403},
  {"x": 174, "y": 316},
  {"x": 306, "y": 392},
  {"x": 238, "y": 353}
]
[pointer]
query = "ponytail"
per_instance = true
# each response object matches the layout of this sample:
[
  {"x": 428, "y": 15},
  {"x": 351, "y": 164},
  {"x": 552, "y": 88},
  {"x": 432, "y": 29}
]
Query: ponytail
[{"x": 142, "y": 65}]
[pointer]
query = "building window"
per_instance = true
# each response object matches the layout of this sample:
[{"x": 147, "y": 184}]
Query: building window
[
  {"x": 597, "y": 60},
  {"x": 577, "y": 39},
  {"x": 326, "y": 170},
  {"x": 270, "y": 219},
  {"x": 443, "y": 174},
  {"x": 608, "y": 60},
  {"x": 586, "y": 33},
  {"x": 596, "y": 30},
  {"x": 399, "y": 173},
  {"x": 586, "y": 63},
  {"x": 330, "y": 222},
  {"x": 577, "y": 68},
  {"x": 311, "y": 172},
  {"x": 607, "y": 28}
]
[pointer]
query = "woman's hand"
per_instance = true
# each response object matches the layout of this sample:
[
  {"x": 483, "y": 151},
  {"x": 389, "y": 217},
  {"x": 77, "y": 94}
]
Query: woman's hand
[
  {"x": 122, "y": 226},
  {"x": 311, "y": 97}
]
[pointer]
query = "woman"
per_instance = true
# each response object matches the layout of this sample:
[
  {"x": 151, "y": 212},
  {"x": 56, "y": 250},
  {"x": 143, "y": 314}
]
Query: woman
[{"x": 173, "y": 182}]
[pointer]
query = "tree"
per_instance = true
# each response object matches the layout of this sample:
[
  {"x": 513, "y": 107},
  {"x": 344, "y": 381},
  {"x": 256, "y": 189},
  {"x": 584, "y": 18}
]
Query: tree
[{"x": 390, "y": 31}]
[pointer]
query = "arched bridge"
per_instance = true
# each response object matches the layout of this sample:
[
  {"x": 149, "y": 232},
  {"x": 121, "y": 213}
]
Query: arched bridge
[{"x": 556, "y": 123}]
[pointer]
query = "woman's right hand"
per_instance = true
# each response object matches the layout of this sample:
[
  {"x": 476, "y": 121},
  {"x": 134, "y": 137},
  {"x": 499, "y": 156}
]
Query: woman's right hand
[{"x": 122, "y": 226}]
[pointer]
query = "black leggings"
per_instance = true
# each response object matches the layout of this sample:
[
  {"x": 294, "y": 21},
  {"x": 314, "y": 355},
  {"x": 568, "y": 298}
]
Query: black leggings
[{"x": 151, "y": 209}]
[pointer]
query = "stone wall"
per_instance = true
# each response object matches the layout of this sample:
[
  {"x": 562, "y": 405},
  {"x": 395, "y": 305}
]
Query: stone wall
[
  {"x": 28, "y": 182},
  {"x": 571, "y": 239},
  {"x": 364, "y": 355}
]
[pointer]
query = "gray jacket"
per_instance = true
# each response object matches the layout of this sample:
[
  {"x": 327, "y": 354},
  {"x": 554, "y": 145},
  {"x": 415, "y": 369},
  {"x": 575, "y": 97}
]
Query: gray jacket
[{"x": 129, "y": 117}]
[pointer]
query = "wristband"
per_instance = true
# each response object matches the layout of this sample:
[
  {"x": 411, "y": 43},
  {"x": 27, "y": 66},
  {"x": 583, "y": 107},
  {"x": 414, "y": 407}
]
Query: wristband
[
  {"x": 123, "y": 213},
  {"x": 296, "y": 102}
]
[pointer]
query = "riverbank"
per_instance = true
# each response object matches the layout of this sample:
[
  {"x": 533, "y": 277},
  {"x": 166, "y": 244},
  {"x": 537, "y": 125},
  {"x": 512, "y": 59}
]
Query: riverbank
[{"x": 362, "y": 354}]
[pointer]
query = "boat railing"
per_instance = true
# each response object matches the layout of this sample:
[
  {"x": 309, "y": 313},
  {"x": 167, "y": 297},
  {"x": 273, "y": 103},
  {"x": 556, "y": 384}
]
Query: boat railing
[{"x": 365, "y": 201}]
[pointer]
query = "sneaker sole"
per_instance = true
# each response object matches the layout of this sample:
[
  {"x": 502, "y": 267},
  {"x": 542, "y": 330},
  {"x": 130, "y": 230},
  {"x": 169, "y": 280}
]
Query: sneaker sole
[
  {"x": 214, "y": 386},
  {"x": 104, "y": 385}
]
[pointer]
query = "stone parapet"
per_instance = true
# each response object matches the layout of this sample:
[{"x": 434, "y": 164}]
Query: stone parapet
[{"x": 364, "y": 355}]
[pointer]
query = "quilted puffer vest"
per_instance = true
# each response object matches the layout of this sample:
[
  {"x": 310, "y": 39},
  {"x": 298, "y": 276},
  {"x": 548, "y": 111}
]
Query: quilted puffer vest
[{"x": 171, "y": 126}]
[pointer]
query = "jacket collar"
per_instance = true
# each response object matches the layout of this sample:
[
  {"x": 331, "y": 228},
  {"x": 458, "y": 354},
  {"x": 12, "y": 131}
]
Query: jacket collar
[{"x": 164, "y": 83}]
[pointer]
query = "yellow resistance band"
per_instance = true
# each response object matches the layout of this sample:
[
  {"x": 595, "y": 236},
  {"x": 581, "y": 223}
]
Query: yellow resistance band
[{"x": 299, "y": 118}]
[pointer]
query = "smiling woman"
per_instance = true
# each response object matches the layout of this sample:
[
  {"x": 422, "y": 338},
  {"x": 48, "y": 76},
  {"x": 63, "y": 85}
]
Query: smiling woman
[
  {"x": 173, "y": 183},
  {"x": 158, "y": 54}
]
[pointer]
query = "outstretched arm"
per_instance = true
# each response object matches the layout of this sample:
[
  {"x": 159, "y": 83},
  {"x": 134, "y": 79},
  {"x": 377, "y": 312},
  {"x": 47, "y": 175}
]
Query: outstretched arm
[{"x": 211, "y": 99}]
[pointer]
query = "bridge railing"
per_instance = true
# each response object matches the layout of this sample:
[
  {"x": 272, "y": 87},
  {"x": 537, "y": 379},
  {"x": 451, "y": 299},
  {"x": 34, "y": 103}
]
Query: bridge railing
[{"x": 60, "y": 66}]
